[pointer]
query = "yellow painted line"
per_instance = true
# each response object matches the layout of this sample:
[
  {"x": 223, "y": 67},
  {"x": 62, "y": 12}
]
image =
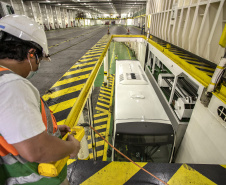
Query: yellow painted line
[
  {"x": 69, "y": 161},
  {"x": 101, "y": 99},
  {"x": 99, "y": 115},
  {"x": 63, "y": 92},
  {"x": 112, "y": 56},
  {"x": 84, "y": 56},
  {"x": 100, "y": 127},
  {"x": 108, "y": 124},
  {"x": 63, "y": 105},
  {"x": 185, "y": 174},
  {"x": 188, "y": 58},
  {"x": 103, "y": 105},
  {"x": 114, "y": 173},
  {"x": 104, "y": 96},
  {"x": 91, "y": 51},
  {"x": 87, "y": 59},
  {"x": 208, "y": 73},
  {"x": 195, "y": 62},
  {"x": 85, "y": 64},
  {"x": 99, "y": 153},
  {"x": 69, "y": 80},
  {"x": 105, "y": 92},
  {"x": 96, "y": 135},
  {"x": 224, "y": 166},
  {"x": 99, "y": 48},
  {"x": 201, "y": 67},
  {"x": 106, "y": 89},
  {"x": 61, "y": 122},
  {"x": 77, "y": 71},
  {"x": 100, "y": 120},
  {"x": 99, "y": 143}
]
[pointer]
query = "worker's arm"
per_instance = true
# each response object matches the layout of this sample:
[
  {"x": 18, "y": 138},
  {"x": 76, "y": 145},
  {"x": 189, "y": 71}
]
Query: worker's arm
[{"x": 45, "y": 148}]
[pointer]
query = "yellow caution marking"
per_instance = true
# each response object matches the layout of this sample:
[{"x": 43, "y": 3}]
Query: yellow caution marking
[
  {"x": 108, "y": 124},
  {"x": 63, "y": 105},
  {"x": 69, "y": 80},
  {"x": 100, "y": 120},
  {"x": 88, "y": 59},
  {"x": 196, "y": 62},
  {"x": 102, "y": 99},
  {"x": 99, "y": 153},
  {"x": 105, "y": 92},
  {"x": 78, "y": 71},
  {"x": 61, "y": 122},
  {"x": 96, "y": 135},
  {"x": 100, "y": 127},
  {"x": 202, "y": 67},
  {"x": 69, "y": 161},
  {"x": 104, "y": 96},
  {"x": 208, "y": 73},
  {"x": 99, "y": 143},
  {"x": 91, "y": 51},
  {"x": 114, "y": 173},
  {"x": 82, "y": 65},
  {"x": 63, "y": 92},
  {"x": 219, "y": 67},
  {"x": 91, "y": 55},
  {"x": 187, "y": 175},
  {"x": 224, "y": 166},
  {"x": 107, "y": 89},
  {"x": 100, "y": 109},
  {"x": 112, "y": 56},
  {"x": 99, "y": 115},
  {"x": 103, "y": 105}
]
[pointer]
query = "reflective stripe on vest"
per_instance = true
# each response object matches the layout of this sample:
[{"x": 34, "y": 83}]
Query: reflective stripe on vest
[
  {"x": 25, "y": 179},
  {"x": 10, "y": 157},
  {"x": 49, "y": 120}
]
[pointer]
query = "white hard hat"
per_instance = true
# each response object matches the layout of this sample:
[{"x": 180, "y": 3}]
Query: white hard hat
[{"x": 26, "y": 29}]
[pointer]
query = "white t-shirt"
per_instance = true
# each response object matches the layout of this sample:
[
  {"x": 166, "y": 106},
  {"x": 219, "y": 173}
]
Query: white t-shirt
[{"x": 20, "y": 116}]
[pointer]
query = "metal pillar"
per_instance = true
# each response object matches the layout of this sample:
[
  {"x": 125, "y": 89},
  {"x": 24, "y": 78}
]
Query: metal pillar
[
  {"x": 106, "y": 68},
  {"x": 91, "y": 123},
  {"x": 173, "y": 89}
]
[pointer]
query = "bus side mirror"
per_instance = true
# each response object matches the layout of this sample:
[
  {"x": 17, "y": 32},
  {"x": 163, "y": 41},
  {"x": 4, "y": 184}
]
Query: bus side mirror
[{"x": 109, "y": 153}]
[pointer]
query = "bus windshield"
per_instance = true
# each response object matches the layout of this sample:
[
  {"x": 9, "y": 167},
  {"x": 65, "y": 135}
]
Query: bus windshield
[{"x": 144, "y": 148}]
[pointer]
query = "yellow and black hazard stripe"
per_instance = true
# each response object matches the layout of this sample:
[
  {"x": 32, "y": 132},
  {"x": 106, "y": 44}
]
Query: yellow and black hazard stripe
[
  {"x": 201, "y": 64},
  {"x": 87, "y": 172},
  {"x": 63, "y": 94},
  {"x": 102, "y": 117}
]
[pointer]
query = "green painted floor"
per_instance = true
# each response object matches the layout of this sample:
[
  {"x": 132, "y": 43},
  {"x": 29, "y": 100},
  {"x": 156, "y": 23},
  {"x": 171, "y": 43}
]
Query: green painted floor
[{"x": 117, "y": 50}]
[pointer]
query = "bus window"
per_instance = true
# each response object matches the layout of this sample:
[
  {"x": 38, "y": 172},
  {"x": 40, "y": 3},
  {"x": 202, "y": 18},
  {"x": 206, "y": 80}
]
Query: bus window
[{"x": 144, "y": 148}]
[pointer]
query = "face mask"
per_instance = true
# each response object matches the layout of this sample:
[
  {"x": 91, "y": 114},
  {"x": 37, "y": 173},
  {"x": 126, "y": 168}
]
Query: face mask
[{"x": 32, "y": 73}]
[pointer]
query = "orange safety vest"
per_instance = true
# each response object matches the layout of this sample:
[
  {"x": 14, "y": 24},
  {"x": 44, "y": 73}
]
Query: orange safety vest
[
  {"x": 11, "y": 161},
  {"x": 47, "y": 117}
]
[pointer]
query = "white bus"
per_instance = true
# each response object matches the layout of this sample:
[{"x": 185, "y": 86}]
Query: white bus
[{"x": 142, "y": 129}]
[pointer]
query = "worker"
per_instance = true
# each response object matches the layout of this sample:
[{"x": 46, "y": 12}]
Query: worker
[
  {"x": 29, "y": 134},
  {"x": 143, "y": 29}
]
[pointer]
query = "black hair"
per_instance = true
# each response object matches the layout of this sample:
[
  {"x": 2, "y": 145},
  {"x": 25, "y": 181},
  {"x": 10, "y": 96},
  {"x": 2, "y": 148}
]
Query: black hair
[{"x": 14, "y": 48}]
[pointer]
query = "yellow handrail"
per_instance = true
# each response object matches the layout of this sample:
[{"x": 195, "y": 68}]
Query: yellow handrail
[{"x": 77, "y": 108}]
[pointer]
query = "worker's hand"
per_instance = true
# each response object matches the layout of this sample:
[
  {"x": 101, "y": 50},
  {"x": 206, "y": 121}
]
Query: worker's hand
[
  {"x": 76, "y": 145},
  {"x": 64, "y": 129}
]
